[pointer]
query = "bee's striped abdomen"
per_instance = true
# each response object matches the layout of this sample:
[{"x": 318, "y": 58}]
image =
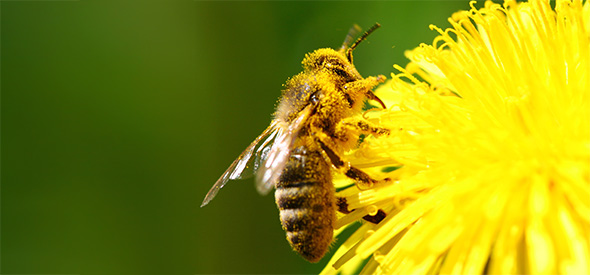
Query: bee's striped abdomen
[{"x": 305, "y": 197}]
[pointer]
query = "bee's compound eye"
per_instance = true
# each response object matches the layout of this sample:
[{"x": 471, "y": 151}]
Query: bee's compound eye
[
  {"x": 340, "y": 72},
  {"x": 336, "y": 68}
]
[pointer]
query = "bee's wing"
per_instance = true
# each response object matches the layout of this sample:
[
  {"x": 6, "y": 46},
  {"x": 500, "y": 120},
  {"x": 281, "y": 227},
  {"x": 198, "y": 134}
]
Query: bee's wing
[
  {"x": 277, "y": 157},
  {"x": 257, "y": 153},
  {"x": 245, "y": 165}
]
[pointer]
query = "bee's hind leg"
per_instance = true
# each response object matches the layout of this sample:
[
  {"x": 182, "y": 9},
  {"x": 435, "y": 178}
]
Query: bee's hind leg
[
  {"x": 363, "y": 180},
  {"x": 342, "y": 207}
]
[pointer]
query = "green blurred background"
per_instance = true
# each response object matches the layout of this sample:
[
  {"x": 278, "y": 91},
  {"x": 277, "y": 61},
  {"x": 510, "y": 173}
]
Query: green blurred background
[{"x": 118, "y": 116}]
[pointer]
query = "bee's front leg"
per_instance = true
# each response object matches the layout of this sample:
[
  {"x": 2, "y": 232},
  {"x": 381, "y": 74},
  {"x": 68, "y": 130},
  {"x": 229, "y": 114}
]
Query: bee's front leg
[
  {"x": 360, "y": 89},
  {"x": 364, "y": 84}
]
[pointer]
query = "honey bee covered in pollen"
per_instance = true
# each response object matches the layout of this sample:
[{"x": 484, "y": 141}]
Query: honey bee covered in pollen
[{"x": 314, "y": 124}]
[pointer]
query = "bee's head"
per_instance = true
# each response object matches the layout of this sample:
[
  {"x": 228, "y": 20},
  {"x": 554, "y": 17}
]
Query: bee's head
[
  {"x": 337, "y": 63},
  {"x": 332, "y": 62}
]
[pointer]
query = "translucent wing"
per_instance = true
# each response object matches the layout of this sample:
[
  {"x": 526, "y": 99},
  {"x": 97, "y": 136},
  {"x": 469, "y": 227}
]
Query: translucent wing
[
  {"x": 260, "y": 152},
  {"x": 247, "y": 163},
  {"x": 277, "y": 156}
]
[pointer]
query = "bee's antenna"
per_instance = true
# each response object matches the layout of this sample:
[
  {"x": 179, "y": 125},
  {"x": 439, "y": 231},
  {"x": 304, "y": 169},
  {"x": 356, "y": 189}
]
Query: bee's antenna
[
  {"x": 358, "y": 41},
  {"x": 352, "y": 33}
]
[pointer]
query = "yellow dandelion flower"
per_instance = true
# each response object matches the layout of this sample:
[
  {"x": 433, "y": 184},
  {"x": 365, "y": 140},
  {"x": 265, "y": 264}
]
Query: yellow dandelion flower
[{"x": 490, "y": 150}]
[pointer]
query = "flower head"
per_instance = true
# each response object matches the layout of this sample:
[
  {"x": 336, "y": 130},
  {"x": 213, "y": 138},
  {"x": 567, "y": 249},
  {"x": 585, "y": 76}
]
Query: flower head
[{"x": 490, "y": 150}]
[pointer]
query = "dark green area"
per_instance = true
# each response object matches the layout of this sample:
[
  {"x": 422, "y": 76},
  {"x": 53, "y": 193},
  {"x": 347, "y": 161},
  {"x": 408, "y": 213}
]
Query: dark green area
[
  {"x": 118, "y": 116},
  {"x": 390, "y": 169}
]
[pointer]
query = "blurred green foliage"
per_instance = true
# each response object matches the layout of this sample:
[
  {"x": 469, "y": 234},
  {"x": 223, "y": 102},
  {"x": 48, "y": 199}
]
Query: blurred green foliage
[{"x": 118, "y": 116}]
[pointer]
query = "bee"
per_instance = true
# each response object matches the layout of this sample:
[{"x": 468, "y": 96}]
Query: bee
[{"x": 314, "y": 124}]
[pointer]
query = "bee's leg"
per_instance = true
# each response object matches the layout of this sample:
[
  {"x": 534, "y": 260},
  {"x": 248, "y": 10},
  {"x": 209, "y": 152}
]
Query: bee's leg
[
  {"x": 364, "y": 86},
  {"x": 363, "y": 180},
  {"x": 342, "y": 207},
  {"x": 359, "y": 125}
]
